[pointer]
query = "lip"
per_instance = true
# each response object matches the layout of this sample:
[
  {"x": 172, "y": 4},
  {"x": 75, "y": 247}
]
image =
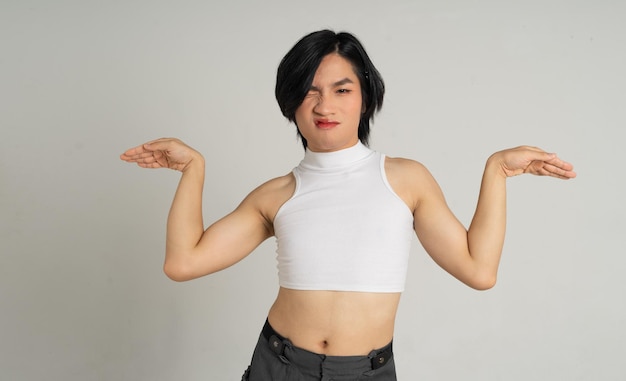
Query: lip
[{"x": 325, "y": 124}]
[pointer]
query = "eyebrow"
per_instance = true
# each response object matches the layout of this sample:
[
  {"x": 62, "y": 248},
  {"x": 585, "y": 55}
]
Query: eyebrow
[{"x": 336, "y": 84}]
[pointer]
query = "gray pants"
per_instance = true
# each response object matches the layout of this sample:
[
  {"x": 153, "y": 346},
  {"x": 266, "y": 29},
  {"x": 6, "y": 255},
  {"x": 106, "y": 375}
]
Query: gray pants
[{"x": 277, "y": 359}]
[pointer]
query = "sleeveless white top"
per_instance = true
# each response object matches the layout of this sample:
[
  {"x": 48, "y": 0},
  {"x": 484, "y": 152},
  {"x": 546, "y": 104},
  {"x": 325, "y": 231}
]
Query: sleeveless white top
[{"x": 344, "y": 228}]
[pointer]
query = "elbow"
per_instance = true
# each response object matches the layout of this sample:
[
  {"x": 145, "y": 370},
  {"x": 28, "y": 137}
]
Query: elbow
[
  {"x": 176, "y": 272},
  {"x": 483, "y": 282},
  {"x": 484, "y": 286}
]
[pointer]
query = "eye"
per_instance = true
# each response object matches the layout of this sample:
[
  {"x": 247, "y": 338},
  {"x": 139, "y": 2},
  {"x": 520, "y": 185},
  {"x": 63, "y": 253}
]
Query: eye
[{"x": 344, "y": 91}]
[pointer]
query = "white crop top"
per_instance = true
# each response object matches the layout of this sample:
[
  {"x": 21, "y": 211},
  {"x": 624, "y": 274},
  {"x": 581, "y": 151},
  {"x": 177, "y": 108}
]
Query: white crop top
[{"x": 344, "y": 228}]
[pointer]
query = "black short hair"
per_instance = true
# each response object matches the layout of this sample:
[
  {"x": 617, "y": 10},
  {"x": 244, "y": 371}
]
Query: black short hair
[{"x": 297, "y": 69}]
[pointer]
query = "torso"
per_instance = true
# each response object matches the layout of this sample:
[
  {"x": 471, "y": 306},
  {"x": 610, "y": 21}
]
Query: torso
[
  {"x": 331, "y": 322},
  {"x": 335, "y": 323}
]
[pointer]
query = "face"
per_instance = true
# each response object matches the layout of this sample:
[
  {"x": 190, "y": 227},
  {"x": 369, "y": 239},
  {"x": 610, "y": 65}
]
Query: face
[{"x": 329, "y": 115}]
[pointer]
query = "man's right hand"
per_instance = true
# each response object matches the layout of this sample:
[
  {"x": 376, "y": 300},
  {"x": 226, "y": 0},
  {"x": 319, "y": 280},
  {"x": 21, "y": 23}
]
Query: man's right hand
[{"x": 163, "y": 153}]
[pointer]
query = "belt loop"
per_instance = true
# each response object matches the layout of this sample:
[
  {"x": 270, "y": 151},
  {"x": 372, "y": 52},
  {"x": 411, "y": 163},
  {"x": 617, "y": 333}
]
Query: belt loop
[
  {"x": 278, "y": 347},
  {"x": 381, "y": 358}
]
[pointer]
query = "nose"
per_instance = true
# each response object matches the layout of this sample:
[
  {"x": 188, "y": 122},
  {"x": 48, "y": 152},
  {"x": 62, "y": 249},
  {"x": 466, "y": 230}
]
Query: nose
[{"x": 323, "y": 105}]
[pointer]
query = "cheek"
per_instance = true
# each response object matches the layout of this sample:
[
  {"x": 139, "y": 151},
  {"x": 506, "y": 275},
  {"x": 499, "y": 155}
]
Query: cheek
[
  {"x": 299, "y": 112},
  {"x": 304, "y": 109},
  {"x": 299, "y": 118},
  {"x": 358, "y": 104},
  {"x": 358, "y": 108}
]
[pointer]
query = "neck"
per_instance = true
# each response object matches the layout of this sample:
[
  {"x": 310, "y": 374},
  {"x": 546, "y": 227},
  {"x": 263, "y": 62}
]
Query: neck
[
  {"x": 338, "y": 158},
  {"x": 332, "y": 148}
]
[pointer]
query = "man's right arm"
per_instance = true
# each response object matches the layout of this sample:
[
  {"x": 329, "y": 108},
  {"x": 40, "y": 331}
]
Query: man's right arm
[{"x": 191, "y": 251}]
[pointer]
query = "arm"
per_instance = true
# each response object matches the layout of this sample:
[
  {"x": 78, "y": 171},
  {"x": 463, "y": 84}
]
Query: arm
[
  {"x": 473, "y": 255},
  {"x": 191, "y": 251}
]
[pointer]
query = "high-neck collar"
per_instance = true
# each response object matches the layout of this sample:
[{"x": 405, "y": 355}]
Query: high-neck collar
[{"x": 335, "y": 159}]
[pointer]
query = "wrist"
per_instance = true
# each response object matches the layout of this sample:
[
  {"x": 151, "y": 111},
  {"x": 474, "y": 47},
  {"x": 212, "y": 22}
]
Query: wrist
[
  {"x": 494, "y": 166},
  {"x": 195, "y": 164}
]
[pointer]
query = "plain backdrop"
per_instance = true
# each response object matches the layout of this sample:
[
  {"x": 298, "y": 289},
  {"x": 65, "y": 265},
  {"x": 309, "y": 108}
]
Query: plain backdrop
[{"x": 82, "y": 292}]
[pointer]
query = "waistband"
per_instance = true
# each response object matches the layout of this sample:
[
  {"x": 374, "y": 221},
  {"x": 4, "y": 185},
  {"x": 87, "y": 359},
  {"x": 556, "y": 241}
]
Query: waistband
[{"x": 280, "y": 345}]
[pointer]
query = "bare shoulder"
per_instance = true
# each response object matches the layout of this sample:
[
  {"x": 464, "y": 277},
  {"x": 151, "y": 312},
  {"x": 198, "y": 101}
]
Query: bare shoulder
[
  {"x": 268, "y": 197},
  {"x": 276, "y": 187},
  {"x": 410, "y": 179},
  {"x": 407, "y": 166},
  {"x": 399, "y": 169}
]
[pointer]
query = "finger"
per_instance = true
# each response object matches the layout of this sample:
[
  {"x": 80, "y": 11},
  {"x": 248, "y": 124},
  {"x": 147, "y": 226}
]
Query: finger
[
  {"x": 162, "y": 144},
  {"x": 533, "y": 148},
  {"x": 136, "y": 157},
  {"x": 551, "y": 158},
  {"x": 558, "y": 171},
  {"x": 132, "y": 152},
  {"x": 557, "y": 162},
  {"x": 153, "y": 164},
  {"x": 544, "y": 156},
  {"x": 535, "y": 154},
  {"x": 150, "y": 146},
  {"x": 561, "y": 167},
  {"x": 137, "y": 152}
]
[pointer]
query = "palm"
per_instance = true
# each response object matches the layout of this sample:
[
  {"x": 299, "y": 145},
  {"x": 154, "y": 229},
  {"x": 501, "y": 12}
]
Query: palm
[
  {"x": 535, "y": 161},
  {"x": 161, "y": 153},
  {"x": 173, "y": 159}
]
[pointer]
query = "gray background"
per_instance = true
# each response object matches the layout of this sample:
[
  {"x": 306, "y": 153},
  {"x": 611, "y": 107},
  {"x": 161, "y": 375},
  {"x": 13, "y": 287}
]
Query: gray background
[{"x": 82, "y": 293}]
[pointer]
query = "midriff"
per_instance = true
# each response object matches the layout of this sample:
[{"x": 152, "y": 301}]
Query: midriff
[{"x": 335, "y": 323}]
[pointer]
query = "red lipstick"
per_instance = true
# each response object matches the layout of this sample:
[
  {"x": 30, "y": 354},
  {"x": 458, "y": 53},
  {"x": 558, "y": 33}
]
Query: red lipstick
[{"x": 325, "y": 124}]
